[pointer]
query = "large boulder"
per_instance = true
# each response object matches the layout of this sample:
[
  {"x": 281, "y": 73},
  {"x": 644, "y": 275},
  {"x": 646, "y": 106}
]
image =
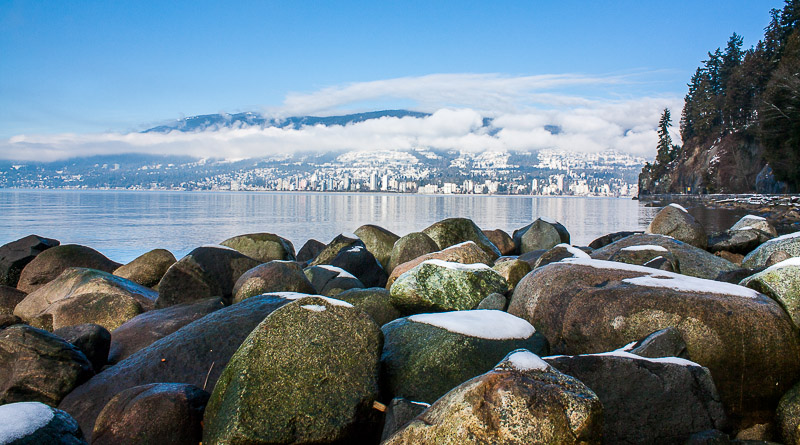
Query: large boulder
[
  {"x": 80, "y": 295},
  {"x": 605, "y": 240},
  {"x": 307, "y": 374},
  {"x": 743, "y": 337},
  {"x": 673, "y": 220},
  {"x": 558, "y": 253},
  {"x": 36, "y": 365},
  {"x": 310, "y": 250},
  {"x": 426, "y": 355},
  {"x": 148, "y": 268},
  {"x": 144, "y": 329},
  {"x": 409, "y": 247},
  {"x": 503, "y": 241},
  {"x": 464, "y": 253},
  {"x": 158, "y": 413},
  {"x": 208, "y": 271},
  {"x": 452, "y": 231},
  {"x": 541, "y": 234},
  {"x": 264, "y": 247},
  {"x": 788, "y": 416},
  {"x": 436, "y": 286},
  {"x": 645, "y": 254},
  {"x": 755, "y": 222},
  {"x": 274, "y": 276},
  {"x": 332, "y": 249},
  {"x": 50, "y": 263},
  {"x": 739, "y": 242},
  {"x": 378, "y": 241},
  {"x": 375, "y": 301},
  {"x": 523, "y": 400},
  {"x": 780, "y": 282},
  {"x": 691, "y": 260},
  {"x": 15, "y": 255},
  {"x": 357, "y": 260},
  {"x": 331, "y": 280},
  {"x": 196, "y": 354},
  {"x": 91, "y": 339},
  {"x": 34, "y": 423},
  {"x": 789, "y": 244},
  {"x": 10, "y": 297},
  {"x": 647, "y": 400}
]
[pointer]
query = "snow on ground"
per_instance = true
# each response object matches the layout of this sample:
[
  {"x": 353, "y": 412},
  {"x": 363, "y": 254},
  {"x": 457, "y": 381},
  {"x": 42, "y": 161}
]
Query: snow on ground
[
  {"x": 525, "y": 360},
  {"x": 21, "y": 419},
  {"x": 488, "y": 324}
]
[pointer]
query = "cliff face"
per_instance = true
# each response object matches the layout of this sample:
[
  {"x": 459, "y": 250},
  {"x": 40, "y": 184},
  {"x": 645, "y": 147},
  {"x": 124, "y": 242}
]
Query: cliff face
[{"x": 728, "y": 164}]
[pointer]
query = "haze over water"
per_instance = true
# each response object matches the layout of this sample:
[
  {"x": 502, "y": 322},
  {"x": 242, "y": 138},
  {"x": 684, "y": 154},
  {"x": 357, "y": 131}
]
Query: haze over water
[{"x": 123, "y": 225}]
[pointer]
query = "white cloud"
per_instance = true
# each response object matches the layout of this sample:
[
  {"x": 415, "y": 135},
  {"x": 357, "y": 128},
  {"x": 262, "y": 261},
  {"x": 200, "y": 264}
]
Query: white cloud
[{"x": 521, "y": 106}]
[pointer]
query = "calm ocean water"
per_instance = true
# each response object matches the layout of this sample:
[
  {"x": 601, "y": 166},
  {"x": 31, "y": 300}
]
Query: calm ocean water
[{"x": 122, "y": 224}]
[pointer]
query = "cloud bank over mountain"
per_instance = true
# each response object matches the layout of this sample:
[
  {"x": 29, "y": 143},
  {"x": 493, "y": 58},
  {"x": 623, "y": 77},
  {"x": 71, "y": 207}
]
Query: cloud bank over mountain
[{"x": 525, "y": 112}]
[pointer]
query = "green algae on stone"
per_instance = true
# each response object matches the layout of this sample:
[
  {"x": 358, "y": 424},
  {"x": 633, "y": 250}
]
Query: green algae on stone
[
  {"x": 147, "y": 269},
  {"x": 436, "y": 285},
  {"x": 375, "y": 301},
  {"x": 780, "y": 282},
  {"x": 452, "y": 231},
  {"x": 379, "y": 242},
  {"x": 263, "y": 247},
  {"x": 308, "y": 373}
]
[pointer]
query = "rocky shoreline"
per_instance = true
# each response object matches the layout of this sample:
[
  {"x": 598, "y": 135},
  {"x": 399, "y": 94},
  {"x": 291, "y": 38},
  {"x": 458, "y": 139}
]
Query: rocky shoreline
[{"x": 448, "y": 335}]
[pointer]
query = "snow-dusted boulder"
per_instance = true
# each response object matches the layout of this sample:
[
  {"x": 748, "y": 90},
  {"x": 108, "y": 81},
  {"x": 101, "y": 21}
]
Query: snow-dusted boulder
[
  {"x": 331, "y": 280},
  {"x": 673, "y": 220},
  {"x": 465, "y": 253},
  {"x": 789, "y": 244},
  {"x": 542, "y": 234},
  {"x": 274, "y": 276},
  {"x": 647, "y": 400},
  {"x": 308, "y": 373},
  {"x": 34, "y": 423},
  {"x": 558, "y": 253},
  {"x": 437, "y": 285},
  {"x": 691, "y": 260},
  {"x": 644, "y": 254},
  {"x": 744, "y": 338},
  {"x": 329, "y": 252},
  {"x": 523, "y": 400},
  {"x": 452, "y": 231},
  {"x": 781, "y": 282},
  {"x": 426, "y": 355},
  {"x": 755, "y": 222}
]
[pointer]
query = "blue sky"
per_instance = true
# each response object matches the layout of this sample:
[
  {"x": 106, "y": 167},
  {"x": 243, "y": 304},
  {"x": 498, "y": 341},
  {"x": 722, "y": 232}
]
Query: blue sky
[{"x": 91, "y": 67}]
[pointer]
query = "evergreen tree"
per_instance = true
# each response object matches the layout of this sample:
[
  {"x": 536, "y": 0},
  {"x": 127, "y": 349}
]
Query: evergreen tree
[{"x": 665, "y": 149}]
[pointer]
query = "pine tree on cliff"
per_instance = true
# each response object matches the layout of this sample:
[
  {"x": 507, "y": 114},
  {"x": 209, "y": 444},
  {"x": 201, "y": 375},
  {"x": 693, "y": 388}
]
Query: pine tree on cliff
[{"x": 665, "y": 150}]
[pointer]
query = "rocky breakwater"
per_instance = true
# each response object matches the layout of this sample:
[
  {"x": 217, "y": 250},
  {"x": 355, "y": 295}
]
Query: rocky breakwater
[{"x": 429, "y": 338}]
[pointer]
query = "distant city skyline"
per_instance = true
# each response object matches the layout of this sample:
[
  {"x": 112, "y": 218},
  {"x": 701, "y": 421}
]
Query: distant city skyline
[{"x": 77, "y": 76}]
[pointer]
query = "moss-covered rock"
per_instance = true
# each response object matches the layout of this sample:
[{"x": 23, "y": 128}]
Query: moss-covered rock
[
  {"x": 375, "y": 301},
  {"x": 464, "y": 253},
  {"x": 426, "y": 355},
  {"x": 264, "y": 247},
  {"x": 452, "y": 231},
  {"x": 378, "y": 241},
  {"x": 208, "y": 271},
  {"x": 50, "y": 263},
  {"x": 147, "y": 269},
  {"x": 331, "y": 280},
  {"x": 755, "y": 222},
  {"x": 744, "y": 338},
  {"x": 789, "y": 244},
  {"x": 523, "y": 400},
  {"x": 780, "y": 282},
  {"x": 512, "y": 271},
  {"x": 274, "y": 276},
  {"x": 691, "y": 260},
  {"x": 540, "y": 235},
  {"x": 435, "y": 286},
  {"x": 332, "y": 249},
  {"x": 307, "y": 374},
  {"x": 788, "y": 416},
  {"x": 409, "y": 247},
  {"x": 80, "y": 295}
]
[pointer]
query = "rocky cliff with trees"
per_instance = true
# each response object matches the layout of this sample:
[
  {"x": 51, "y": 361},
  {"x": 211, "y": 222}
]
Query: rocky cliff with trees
[{"x": 740, "y": 124}]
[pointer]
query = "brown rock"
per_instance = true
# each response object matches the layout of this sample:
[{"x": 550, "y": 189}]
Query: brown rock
[
  {"x": 275, "y": 276},
  {"x": 50, "y": 263},
  {"x": 502, "y": 240}
]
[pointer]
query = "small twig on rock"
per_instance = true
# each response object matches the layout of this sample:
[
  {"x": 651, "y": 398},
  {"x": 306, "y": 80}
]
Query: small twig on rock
[{"x": 208, "y": 374}]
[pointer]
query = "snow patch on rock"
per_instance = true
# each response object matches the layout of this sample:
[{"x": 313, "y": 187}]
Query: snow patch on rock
[
  {"x": 577, "y": 253},
  {"x": 457, "y": 266},
  {"x": 679, "y": 207},
  {"x": 651, "y": 247},
  {"x": 298, "y": 295},
  {"x": 525, "y": 360},
  {"x": 342, "y": 273},
  {"x": 21, "y": 419},
  {"x": 313, "y": 307},
  {"x": 794, "y": 261},
  {"x": 488, "y": 324}
]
